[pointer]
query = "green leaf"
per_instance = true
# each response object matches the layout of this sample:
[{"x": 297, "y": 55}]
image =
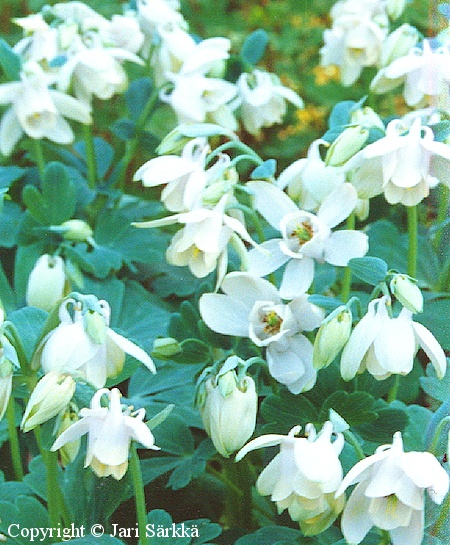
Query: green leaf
[
  {"x": 8, "y": 175},
  {"x": 254, "y": 47},
  {"x": 355, "y": 408},
  {"x": 435, "y": 318},
  {"x": 98, "y": 260},
  {"x": 124, "y": 129},
  {"x": 29, "y": 322},
  {"x": 35, "y": 203},
  {"x": 11, "y": 218},
  {"x": 26, "y": 257},
  {"x": 25, "y": 513},
  {"x": 383, "y": 428},
  {"x": 193, "y": 351},
  {"x": 327, "y": 303},
  {"x": 372, "y": 270},
  {"x": 433, "y": 386},
  {"x": 286, "y": 410},
  {"x": 192, "y": 467},
  {"x": 10, "y": 61},
  {"x": 273, "y": 535},
  {"x": 91, "y": 540},
  {"x": 265, "y": 170},
  {"x": 59, "y": 194},
  {"x": 159, "y": 524},
  {"x": 137, "y": 95}
]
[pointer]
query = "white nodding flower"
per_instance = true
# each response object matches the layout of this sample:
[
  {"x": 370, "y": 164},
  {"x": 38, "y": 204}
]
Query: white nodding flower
[
  {"x": 263, "y": 100},
  {"x": 37, "y": 110},
  {"x": 153, "y": 14},
  {"x": 110, "y": 431},
  {"x": 390, "y": 493},
  {"x": 305, "y": 237},
  {"x": 45, "y": 287},
  {"x": 184, "y": 177},
  {"x": 386, "y": 346},
  {"x": 404, "y": 164},
  {"x": 309, "y": 181},
  {"x": 228, "y": 404},
  {"x": 425, "y": 73},
  {"x": 252, "y": 307},
  {"x": 84, "y": 346},
  {"x": 204, "y": 237},
  {"x": 304, "y": 476}
]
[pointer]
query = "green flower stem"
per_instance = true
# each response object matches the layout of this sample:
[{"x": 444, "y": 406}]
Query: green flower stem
[
  {"x": 14, "y": 440},
  {"x": 347, "y": 280},
  {"x": 13, "y": 337},
  {"x": 139, "y": 495},
  {"x": 90, "y": 155},
  {"x": 244, "y": 157},
  {"x": 444, "y": 194},
  {"x": 57, "y": 509},
  {"x": 39, "y": 152},
  {"x": 393, "y": 392},
  {"x": 412, "y": 239},
  {"x": 133, "y": 144},
  {"x": 238, "y": 498},
  {"x": 442, "y": 517},
  {"x": 350, "y": 438},
  {"x": 238, "y": 145}
]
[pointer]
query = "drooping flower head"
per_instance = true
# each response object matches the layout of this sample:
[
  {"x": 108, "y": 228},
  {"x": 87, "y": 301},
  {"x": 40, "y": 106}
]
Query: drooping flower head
[
  {"x": 390, "y": 493},
  {"x": 110, "y": 431},
  {"x": 304, "y": 476},
  {"x": 84, "y": 346}
]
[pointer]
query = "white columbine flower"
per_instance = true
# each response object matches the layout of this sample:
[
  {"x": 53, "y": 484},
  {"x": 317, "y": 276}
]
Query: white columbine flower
[
  {"x": 37, "y": 110},
  {"x": 305, "y": 237},
  {"x": 385, "y": 345},
  {"x": 252, "y": 307},
  {"x": 304, "y": 476},
  {"x": 405, "y": 165},
  {"x": 263, "y": 100},
  {"x": 185, "y": 177},
  {"x": 309, "y": 181},
  {"x": 425, "y": 73},
  {"x": 390, "y": 493},
  {"x": 204, "y": 237},
  {"x": 110, "y": 431},
  {"x": 84, "y": 346}
]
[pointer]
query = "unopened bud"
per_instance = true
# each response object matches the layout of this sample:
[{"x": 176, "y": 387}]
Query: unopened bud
[
  {"x": 346, "y": 145},
  {"x": 405, "y": 290},
  {"x": 228, "y": 409},
  {"x": 76, "y": 231},
  {"x": 68, "y": 451},
  {"x": 46, "y": 283},
  {"x": 395, "y": 8},
  {"x": 51, "y": 395},
  {"x": 398, "y": 44},
  {"x": 165, "y": 348},
  {"x": 173, "y": 143},
  {"x": 332, "y": 336}
]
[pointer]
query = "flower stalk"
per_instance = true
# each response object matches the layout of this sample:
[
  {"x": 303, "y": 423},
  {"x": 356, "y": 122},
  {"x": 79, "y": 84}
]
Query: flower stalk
[
  {"x": 413, "y": 225},
  {"x": 139, "y": 495},
  {"x": 14, "y": 441}
]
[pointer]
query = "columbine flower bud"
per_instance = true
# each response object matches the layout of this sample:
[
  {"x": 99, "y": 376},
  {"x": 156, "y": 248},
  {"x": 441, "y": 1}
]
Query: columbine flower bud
[
  {"x": 228, "y": 406},
  {"x": 173, "y": 143},
  {"x": 404, "y": 288},
  {"x": 398, "y": 44},
  {"x": 6, "y": 374},
  {"x": 70, "y": 449},
  {"x": 50, "y": 396},
  {"x": 77, "y": 231},
  {"x": 332, "y": 336},
  {"x": 165, "y": 348},
  {"x": 346, "y": 145},
  {"x": 395, "y": 8},
  {"x": 46, "y": 282}
]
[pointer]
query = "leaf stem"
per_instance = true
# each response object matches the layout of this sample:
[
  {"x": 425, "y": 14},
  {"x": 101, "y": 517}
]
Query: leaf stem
[
  {"x": 442, "y": 517},
  {"x": 91, "y": 160},
  {"x": 14, "y": 440},
  {"x": 139, "y": 495},
  {"x": 350, "y": 438},
  {"x": 412, "y": 240}
]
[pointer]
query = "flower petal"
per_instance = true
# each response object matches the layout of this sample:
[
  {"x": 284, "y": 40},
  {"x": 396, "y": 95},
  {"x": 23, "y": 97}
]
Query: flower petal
[
  {"x": 338, "y": 205},
  {"x": 224, "y": 314},
  {"x": 132, "y": 349},
  {"x": 431, "y": 347},
  {"x": 297, "y": 278},
  {"x": 271, "y": 202},
  {"x": 341, "y": 246}
]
